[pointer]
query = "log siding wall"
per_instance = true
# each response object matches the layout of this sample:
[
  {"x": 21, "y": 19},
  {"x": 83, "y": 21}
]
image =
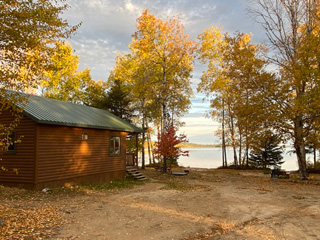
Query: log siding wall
[
  {"x": 52, "y": 155},
  {"x": 24, "y": 158},
  {"x": 63, "y": 155}
]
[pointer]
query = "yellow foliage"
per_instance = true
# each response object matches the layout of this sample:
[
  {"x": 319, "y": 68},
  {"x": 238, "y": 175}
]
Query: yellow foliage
[{"x": 158, "y": 69}]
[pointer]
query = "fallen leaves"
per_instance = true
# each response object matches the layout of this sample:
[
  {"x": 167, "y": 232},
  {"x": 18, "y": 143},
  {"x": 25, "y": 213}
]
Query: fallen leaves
[{"x": 23, "y": 222}]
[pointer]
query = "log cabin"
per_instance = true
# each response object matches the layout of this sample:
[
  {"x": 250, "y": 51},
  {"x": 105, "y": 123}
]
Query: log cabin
[{"x": 63, "y": 144}]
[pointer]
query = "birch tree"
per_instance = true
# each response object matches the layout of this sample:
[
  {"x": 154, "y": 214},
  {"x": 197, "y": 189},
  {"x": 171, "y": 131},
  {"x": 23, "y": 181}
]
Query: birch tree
[
  {"x": 292, "y": 28},
  {"x": 164, "y": 48},
  {"x": 235, "y": 68}
]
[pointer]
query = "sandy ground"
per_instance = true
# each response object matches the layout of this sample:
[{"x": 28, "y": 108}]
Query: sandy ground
[
  {"x": 218, "y": 204},
  {"x": 213, "y": 204}
]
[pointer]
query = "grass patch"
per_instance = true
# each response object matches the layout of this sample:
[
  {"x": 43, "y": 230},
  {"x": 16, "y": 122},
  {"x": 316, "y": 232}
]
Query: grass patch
[
  {"x": 116, "y": 185},
  {"x": 24, "y": 194}
]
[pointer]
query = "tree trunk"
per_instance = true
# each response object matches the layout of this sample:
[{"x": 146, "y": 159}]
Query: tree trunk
[
  {"x": 142, "y": 151},
  {"x": 247, "y": 153},
  {"x": 247, "y": 147},
  {"x": 164, "y": 129},
  {"x": 159, "y": 130},
  {"x": 149, "y": 148},
  {"x": 240, "y": 147},
  {"x": 137, "y": 151},
  {"x": 152, "y": 149},
  {"x": 164, "y": 114},
  {"x": 224, "y": 154},
  {"x": 246, "y": 131},
  {"x": 301, "y": 156},
  {"x": 314, "y": 156},
  {"x": 143, "y": 134},
  {"x": 300, "y": 148},
  {"x": 149, "y": 143},
  {"x": 233, "y": 140}
]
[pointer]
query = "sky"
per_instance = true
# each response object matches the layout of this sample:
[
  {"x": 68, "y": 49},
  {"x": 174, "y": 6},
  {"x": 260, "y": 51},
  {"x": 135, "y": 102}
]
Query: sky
[{"x": 107, "y": 28}]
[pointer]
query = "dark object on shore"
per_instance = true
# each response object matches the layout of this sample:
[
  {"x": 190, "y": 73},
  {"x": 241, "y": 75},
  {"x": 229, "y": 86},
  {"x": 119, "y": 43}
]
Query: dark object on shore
[
  {"x": 161, "y": 168},
  {"x": 46, "y": 190},
  {"x": 275, "y": 173},
  {"x": 180, "y": 173}
]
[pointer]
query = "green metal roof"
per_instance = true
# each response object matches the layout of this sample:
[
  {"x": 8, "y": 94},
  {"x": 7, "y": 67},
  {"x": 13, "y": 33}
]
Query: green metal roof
[{"x": 56, "y": 112}]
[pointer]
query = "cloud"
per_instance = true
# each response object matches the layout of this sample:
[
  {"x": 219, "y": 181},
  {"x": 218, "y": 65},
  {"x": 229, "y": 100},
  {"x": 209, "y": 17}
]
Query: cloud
[
  {"x": 111, "y": 23},
  {"x": 106, "y": 28}
]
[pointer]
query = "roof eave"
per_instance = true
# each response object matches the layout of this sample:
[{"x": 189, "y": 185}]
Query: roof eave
[{"x": 137, "y": 130}]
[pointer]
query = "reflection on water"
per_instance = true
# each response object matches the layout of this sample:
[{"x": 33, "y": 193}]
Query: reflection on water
[{"x": 211, "y": 158}]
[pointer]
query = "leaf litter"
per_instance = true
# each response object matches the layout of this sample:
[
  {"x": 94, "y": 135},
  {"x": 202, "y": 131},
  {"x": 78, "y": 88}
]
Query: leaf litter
[{"x": 26, "y": 222}]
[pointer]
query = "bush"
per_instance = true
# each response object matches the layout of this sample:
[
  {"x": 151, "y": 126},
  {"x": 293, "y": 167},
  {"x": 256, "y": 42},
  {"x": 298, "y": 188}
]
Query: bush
[
  {"x": 154, "y": 165},
  {"x": 310, "y": 165},
  {"x": 241, "y": 167}
]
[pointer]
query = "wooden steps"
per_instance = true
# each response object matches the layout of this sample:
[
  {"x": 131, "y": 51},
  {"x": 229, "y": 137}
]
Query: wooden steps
[{"x": 136, "y": 174}]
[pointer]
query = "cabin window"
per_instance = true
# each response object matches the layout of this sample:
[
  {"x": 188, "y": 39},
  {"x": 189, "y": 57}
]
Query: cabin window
[
  {"x": 11, "y": 147},
  {"x": 84, "y": 136},
  {"x": 115, "y": 144}
]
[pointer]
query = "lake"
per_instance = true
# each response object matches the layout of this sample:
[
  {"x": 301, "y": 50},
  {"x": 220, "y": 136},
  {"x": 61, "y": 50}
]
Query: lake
[{"x": 211, "y": 158}]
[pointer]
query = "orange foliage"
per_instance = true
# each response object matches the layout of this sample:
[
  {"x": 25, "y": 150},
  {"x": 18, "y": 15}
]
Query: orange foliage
[{"x": 167, "y": 144}]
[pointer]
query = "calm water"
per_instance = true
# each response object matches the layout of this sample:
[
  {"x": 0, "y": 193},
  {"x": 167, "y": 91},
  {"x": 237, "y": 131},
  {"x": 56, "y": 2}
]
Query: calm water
[{"x": 211, "y": 158}]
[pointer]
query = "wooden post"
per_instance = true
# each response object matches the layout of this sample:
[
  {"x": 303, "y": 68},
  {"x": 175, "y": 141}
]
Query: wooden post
[{"x": 137, "y": 150}]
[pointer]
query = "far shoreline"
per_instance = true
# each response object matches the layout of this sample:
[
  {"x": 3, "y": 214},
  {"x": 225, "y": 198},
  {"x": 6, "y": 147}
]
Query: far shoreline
[{"x": 198, "y": 145}]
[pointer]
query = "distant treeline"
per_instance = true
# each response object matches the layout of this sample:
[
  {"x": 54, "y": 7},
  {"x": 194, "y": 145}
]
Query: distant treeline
[{"x": 197, "y": 145}]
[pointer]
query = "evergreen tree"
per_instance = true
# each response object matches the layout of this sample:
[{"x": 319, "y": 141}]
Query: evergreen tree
[
  {"x": 267, "y": 153},
  {"x": 118, "y": 101}
]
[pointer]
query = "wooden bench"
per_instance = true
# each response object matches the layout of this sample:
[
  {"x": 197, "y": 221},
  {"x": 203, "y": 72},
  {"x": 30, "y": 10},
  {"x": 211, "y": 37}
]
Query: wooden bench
[
  {"x": 161, "y": 167},
  {"x": 277, "y": 173}
]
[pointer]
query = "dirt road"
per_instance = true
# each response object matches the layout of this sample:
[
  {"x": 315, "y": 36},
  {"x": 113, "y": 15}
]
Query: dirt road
[{"x": 216, "y": 204}]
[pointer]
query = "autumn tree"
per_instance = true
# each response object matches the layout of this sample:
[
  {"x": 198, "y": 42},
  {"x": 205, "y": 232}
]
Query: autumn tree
[
  {"x": 135, "y": 77},
  {"x": 235, "y": 67},
  {"x": 63, "y": 81},
  {"x": 167, "y": 145},
  {"x": 158, "y": 70},
  {"x": 28, "y": 30},
  {"x": 163, "y": 48},
  {"x": 292, "y": 28},
  {"x": 95, "y": 94}
]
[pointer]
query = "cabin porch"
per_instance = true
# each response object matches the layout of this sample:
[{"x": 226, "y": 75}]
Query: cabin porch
[{"x": 131, "y": 161}]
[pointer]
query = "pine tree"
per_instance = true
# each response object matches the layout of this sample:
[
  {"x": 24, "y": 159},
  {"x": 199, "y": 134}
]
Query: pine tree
[
  {"x": 118, "y": 102},
  {"x": 267, "y": 153}
]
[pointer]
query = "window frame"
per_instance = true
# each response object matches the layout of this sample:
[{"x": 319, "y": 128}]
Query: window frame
[
  {"x": 84, "y": 137},
  {"x": 113, "y": 148},
  {"x": 14, "y": 144}
]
